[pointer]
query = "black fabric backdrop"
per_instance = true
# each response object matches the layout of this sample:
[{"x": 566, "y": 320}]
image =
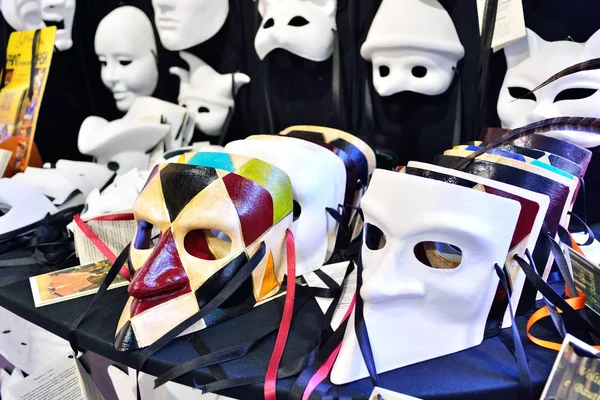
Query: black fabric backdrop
[{"x": 414, "y": 126}]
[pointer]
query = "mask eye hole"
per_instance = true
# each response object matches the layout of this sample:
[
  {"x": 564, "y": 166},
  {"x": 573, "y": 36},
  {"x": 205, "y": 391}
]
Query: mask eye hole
[
  {"x": 419, "y": 71},
  {"x": 298, "y": 21},
  {"x": 374, "y": 237},
  {"x": 269, "y": 23},
  {"x": 521, "y": 93},
  {"x": 146, "y": 237},
  {"x": 297, "y": 210},
  {"x": 203, "y": 110},
  {"x": 125, "y": 62},
  {"x": 384, "y": 71},
  {"x": 438, "y": 255},
  {"x": 574, "y": 94},
  {"x": 207, "y": 244}
]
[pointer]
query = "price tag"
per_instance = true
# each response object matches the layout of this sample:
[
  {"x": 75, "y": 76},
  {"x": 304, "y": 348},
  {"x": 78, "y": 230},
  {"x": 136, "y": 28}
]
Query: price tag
[{"x": 510, "y": 22}]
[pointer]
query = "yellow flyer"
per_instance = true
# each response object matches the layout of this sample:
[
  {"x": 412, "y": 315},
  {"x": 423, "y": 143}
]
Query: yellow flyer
[{"x": 23, "y": 87}]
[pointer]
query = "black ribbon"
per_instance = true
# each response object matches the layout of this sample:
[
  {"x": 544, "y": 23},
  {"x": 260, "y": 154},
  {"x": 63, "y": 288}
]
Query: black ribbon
[{"x": 565, "y": 238}]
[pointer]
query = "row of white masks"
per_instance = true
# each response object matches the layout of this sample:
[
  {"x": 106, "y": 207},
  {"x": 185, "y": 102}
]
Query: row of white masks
[
  {"x": 532, "y": 60},
  {"x": 414, "y": 312},
  {"x": 23, "y": 15}
]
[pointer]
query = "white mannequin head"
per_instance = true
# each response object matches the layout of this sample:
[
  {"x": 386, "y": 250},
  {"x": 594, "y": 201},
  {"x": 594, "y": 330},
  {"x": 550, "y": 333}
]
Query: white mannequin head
[
  {"x": 318, "y": 181},
  {"x": 413, "y": 46},
  {"x": 532, "y": 60},
  {"x": 414, "y": 312},
  {"x": 126, "y": 48},
  {"x": 207, "y": 94},
  {"x": 302, "y": 27},
  {"x": 182, "y": 24}
]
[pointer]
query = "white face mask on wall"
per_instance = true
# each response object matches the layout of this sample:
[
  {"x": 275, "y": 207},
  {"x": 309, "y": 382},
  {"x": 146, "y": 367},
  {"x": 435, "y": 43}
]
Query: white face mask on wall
[
  {"x": 126, "y": 48},
  {"x": 532, "y": 60},
  {"x": 413, "y": 46},
  {"x": 182, "y": 24}
]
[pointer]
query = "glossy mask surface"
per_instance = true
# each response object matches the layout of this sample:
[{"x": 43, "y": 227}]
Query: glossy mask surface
[
  {"x": 21, "y": 205},
  {"x": 529, "y": 225},
  {"x": 413, "y": 46},
  {"x": 209, "y": 95},
  {"x": 182, "y": 24},
  {"x": 414, "y": 312},
  {"x": 302, "y": 27},
  {"x": 532, "y": 60},
  {"x": 126, "y": 49},
  {"x": 211, "y": 221},
  {"x": 563, "y": 148},
  {"x": 318, "y": 181}
]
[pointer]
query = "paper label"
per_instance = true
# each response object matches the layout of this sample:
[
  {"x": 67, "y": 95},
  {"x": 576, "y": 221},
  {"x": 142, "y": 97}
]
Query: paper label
[
  {"x": 575, "y": 374},
  {"x": 115, "y": 234},
  {"x": 592, "y": 252},
  {"x": 587, "y": 279},
  {"x": 510, "y": 22},
  {"x": 4, "y": 159},
  {"x": 384, "y": 394},
  {"x": 335, "y": 272},
  {"x": 65, "y": 379}
]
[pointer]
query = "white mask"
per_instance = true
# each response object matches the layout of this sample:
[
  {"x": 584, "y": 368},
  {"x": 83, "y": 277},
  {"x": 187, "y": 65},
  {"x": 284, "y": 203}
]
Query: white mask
[
  {"x": 318, "y": 181},
  {"x": 414, "y": 312},
  {"x": 126, "y": 141},
  {"x": 413, "y": 46},
  {"x": 126, "y": 48},
  {"x": 22, "y": 205},
  {"x": 182, "y": 24},
  {"x": 65, "y": 188},
  {"x": 97, "y": 175},
  {"x": 208, "y": 94},
  {"x": 22, "y": 15},
  {"x": 532, "y": 60},
  {"x": 302, "y": 27},
  {"x": 528, "y": 226},
  {"x": 60, "y": 11}
]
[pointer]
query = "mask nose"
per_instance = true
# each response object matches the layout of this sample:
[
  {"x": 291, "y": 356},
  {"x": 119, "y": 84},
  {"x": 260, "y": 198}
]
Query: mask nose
[
  {"x": 540, "y": 112},
  {"x": 162, "y": 272},
  {"x": 110, "y": 73}
]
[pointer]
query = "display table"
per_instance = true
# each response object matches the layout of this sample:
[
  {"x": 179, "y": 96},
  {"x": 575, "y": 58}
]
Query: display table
[{"x": 488, "y": 371}]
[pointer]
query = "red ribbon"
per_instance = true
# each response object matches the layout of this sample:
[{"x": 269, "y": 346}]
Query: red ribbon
[{"x": 270, "y": 389}]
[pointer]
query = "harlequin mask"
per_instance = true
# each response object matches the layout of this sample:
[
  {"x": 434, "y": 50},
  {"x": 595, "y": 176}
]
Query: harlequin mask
[
  {"x": 414, "y": 312},
  {"x": 302, "y": 27},
  {"x": 531, "y": 219},
  {"x": 413, "y": 46},
  {"x": 212, "y": 218},
  {"x": 209, "y": 95},
  {"x": 530, "y": 61},
  {"x": 563, "y": 148},
  {"x": 318, "y": 181}
]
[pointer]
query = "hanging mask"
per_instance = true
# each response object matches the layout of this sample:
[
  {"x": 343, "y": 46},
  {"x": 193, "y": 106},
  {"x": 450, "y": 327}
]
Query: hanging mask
[
  {"x": 530, "y": 61},
  {"x": 568, "y": 150},
  {"x": 126, "y": 49},
  {"x": 414, "y": 312},
  {"x": 212, "y": 220},
  {"x": 60, "y": 13},
  {"x": 182, "y": 24},
  {"x": 318, "y": 181},
  {"x": 302, "y": 27},
  {"x": 22, "y": 15},
  {"x": 208, "y": 95},
  {"x": 122, "y": 144},
  {"x": 529, "y": 225},
  {"x": 413, "y": 46},
  {"x": 21, "y": 206}
]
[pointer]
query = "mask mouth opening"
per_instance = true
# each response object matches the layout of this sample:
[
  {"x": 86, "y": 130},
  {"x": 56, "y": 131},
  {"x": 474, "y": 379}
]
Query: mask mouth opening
[
  {"x": 58, "y": 24},
  {"x": 438, "y": 255},
  {"x": 207, "y": 244}
]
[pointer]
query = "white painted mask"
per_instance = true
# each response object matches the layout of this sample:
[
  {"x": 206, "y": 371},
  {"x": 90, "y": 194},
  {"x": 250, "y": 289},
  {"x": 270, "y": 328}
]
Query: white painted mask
[
  {"x": 182, "y": 24},
  {"x": 414, "y": 312},
  {"x": 62, "y": 13},
  {"x": 531, "y": 61},
  {"x": 21, "y": 205},
  {"x": 413, "y": 46},
  {"x": 302, "y": 27},
  {"x": 318, "y": 181},
  {"x": 126, "y": 48},
  {"x": 209, "y": 95}
]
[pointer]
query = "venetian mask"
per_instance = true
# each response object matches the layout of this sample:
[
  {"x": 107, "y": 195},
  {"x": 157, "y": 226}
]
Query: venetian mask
[
  {"x": 126, "y": 49},
  {"x": 302, "y": 27},
  {"x": 318, "y": 182},
  {"x": 213, "y": 212},
  {"x": 182, "y": 24},
  {"x": 532, "y": 60},
  {"x": 413, "y": 46},
  {"x": 209, "y": 95},
  {"x": 414, "y": 312},
  {"x": 570, "y": 151},
  {"x": 21, "y": 205}
]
